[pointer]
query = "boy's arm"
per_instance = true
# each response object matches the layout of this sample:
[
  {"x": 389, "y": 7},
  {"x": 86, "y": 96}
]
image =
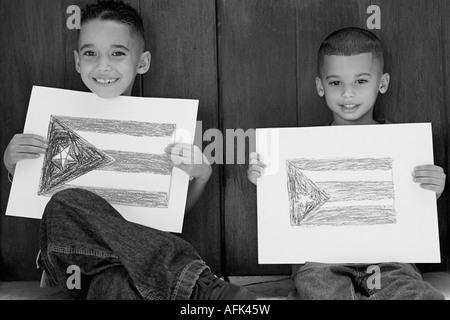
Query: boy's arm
[
  {"x": 191, "y": 160},
  {"x": 23, "y": 146}
]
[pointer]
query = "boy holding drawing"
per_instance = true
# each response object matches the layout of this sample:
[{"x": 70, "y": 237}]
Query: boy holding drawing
[
  {"x": 350, "y": 67},
  {"x": 119, "y": 259}
]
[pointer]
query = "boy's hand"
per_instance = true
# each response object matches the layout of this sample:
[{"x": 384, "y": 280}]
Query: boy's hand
[
  {"x": 191, "y": 160},
  {"x": 256, "y": 167},
  {"x": 23, "y": 146},
  {"x": 430, "y": 177}
]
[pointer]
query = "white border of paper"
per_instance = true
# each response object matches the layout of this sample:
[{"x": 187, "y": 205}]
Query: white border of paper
[
  {"x": 414, "y": 238},
  {"x": 23, "y": 199}
]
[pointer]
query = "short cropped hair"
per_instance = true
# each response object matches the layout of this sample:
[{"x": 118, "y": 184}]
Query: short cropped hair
[
  {"x": 348, "y": 42},
  {"x": 115, "y": 10}
]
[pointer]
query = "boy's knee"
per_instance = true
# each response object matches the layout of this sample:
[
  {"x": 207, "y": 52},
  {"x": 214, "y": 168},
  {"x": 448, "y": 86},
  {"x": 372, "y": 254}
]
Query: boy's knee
[
  {"x": 79, "y": 202},
  {"x": 68, "y": 197},
  {"x": 72, "y": 195}
]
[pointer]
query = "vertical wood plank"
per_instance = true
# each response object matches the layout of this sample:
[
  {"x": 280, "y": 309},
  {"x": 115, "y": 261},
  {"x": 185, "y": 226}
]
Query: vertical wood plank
[
  {"x": 181, "y": 36},
  {"x": 30, "y": 54},
  {"x": 258, "y": 89},
  {"x": 444, "y": 205}
]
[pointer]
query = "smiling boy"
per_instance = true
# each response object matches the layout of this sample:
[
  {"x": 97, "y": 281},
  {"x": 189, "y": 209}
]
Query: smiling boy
[
  {"x": 350, "y": 85},
  {"x": 119, "y": 259},
  {"x": 109, "y": 57},
  {"x": 350, "y": 76}
]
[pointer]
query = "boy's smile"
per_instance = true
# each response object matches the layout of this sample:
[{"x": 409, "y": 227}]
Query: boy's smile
[
  {"x": 109, "y": 57},
  {"x": 350, "y": 85}
]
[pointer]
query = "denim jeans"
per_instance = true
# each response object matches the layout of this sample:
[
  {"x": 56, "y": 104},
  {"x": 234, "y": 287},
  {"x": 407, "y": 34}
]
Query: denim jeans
[
  {"x": 118, "y": 259},
  {"x": 343, "y": 282}
]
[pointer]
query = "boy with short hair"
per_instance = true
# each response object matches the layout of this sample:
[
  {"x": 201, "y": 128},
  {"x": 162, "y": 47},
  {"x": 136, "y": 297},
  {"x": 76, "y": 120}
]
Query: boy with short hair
[
  {"x": 350, "y": 76},
  {"x": 119, "y": 259}
]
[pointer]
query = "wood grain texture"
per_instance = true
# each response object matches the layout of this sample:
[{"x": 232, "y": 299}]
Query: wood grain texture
[
  {"x": 181, "y": 36},
  {"x": 31, "y": 46},
  {"x": 257, "y": 89},
  {"x": 444, "y": 202},
  {"x": 251, "y": 63}
]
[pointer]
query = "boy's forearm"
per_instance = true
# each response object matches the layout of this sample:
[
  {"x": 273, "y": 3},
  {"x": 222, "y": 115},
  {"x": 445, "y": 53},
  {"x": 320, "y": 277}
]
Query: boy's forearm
[{"x": 195, "y": 191}]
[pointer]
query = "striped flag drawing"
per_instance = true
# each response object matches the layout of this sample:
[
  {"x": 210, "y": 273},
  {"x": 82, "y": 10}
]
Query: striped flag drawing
[
  {"x": 105, "y": 157},
  {"x": 336, "y": 192}
]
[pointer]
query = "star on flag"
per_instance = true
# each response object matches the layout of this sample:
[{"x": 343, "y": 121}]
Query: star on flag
[{"x": 63, "y": 159}]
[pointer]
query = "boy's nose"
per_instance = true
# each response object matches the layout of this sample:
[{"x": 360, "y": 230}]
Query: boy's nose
[
  {"x": 103, "y": 64},
  {"x": 348, "y": 92}
]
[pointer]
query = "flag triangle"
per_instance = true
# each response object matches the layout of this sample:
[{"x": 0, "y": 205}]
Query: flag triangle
[
  {"x": 68, "y": 157},
  {"x": 305, "y": 197}
]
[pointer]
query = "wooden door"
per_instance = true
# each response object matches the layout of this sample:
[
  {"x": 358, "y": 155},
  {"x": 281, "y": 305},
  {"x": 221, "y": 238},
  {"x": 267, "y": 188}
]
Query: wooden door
[{"x": 251, "y": 63}]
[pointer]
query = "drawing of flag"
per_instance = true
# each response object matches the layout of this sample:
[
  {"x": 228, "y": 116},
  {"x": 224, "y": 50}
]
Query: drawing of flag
[
  {"x": 122, "y": 161},
  {"x": 345, "y": 191}
]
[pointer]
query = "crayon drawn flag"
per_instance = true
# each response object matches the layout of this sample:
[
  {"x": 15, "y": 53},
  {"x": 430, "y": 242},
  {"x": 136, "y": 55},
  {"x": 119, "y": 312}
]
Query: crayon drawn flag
[
  {"x": 337, "y": 192},
  {"x": 106, "y": 157}
]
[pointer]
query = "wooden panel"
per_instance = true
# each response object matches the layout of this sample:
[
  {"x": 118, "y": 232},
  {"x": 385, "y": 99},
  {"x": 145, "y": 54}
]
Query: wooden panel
[
  {"x": 181, "y": 36},
  {"x": 262, "y": 65},
  {"x": 31, "y": 46},
  {"x": 444, "y": 205},
  {"x": 257, "y": 69}
]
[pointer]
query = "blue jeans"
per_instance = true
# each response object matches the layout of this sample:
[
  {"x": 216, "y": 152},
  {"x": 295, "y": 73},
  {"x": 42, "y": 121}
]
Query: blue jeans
[
  {"x": 342, "y": 282},
  {"x": 118, "y": 259}
]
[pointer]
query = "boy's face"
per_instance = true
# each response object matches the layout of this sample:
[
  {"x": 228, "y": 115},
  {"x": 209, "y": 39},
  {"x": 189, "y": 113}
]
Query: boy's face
[
  {"x": 350, "y": 85},
  {"x": 108, "y": 58}
]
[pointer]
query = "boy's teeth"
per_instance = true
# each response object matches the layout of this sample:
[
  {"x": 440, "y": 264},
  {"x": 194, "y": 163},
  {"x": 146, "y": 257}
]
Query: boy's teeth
[{"x": 104, "y": 81}]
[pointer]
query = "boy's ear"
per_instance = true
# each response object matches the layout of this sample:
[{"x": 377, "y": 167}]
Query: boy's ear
[
  {"x": 319, "y": 86},
  {"x": 144, "y": 62},
  {"x": 77, "y": 61},
  {"x": 384, "y": 83}
]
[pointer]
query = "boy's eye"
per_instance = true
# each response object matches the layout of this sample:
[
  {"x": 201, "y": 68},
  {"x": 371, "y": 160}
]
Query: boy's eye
[
  {"x": 89, "y": 53},
  {"x": 361, "y": 81},
  {"x": 335, "y": 83},
  {"x": 118, "y": 53}
]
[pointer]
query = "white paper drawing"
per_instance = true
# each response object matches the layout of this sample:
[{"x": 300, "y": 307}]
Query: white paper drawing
[
  {"x": 112, "y": 147},
  {"x": 345, "y": 194},
  {"x": 69, "y": 156},
  {"x": 340, "y": 192}
]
